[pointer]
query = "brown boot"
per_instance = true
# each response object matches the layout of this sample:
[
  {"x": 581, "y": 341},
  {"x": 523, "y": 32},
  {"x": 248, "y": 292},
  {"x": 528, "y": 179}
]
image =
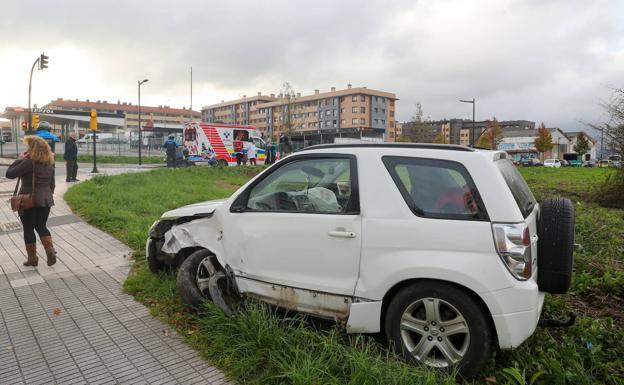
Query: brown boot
[
  {"x": 49, "y": 249},
  {"x": 31, "y": 251}
]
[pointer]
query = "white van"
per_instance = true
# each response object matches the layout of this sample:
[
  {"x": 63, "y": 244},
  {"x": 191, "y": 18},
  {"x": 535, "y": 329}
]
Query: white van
[{"x": 89, "y": 137}]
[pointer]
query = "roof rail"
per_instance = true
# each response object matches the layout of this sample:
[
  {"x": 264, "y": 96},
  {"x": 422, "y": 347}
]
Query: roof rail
[{"x": 427, "y": 146}]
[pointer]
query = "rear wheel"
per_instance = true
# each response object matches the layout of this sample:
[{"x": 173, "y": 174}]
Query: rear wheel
[
  {"x": 222, "y": 162},
  {"x": 438, "y": 325},
  {"x": 193, "y": 277}
]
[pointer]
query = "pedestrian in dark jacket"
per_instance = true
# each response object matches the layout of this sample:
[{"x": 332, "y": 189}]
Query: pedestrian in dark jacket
[
  {"x": 170, "y": 149},
  {"x": 71, "y": 158},
  {"x": 38, "y": 160}
]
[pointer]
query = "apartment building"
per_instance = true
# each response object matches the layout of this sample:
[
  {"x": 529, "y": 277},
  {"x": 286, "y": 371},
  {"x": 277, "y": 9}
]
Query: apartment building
[{"x": 351, "y": 112}]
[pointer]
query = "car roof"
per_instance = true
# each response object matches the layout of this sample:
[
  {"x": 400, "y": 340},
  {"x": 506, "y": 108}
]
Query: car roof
[{"x": 430, "y": 146}]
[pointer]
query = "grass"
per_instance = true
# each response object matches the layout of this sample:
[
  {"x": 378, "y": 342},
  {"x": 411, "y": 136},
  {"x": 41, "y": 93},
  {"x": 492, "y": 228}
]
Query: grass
[
  {"x": 116, "y": 159},
  {"x": 261, "y": 346}
]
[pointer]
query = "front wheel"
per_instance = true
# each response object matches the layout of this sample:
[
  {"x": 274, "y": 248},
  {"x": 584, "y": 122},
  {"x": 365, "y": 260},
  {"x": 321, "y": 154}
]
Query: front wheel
[
  {"x": 438, "y": 325},
  {"x": 222, "y": 162},
  {"x": 193, "y": 277}
]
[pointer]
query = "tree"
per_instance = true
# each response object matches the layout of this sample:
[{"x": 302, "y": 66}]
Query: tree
[
  {"x": 582, "y": 144},
  {"x": 403, "y": 138},
  {"x": 417, "y": 129},
  {"x": 491, "y": 136},
  {"x": 609, "y": 194},
  {"x": 290, "y": 117},
  {"x": 440, "y": 138},
  {"x": 543, "y": 142}
]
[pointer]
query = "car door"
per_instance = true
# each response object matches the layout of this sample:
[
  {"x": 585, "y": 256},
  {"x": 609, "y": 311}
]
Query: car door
[{"x": 299, "y": 226}]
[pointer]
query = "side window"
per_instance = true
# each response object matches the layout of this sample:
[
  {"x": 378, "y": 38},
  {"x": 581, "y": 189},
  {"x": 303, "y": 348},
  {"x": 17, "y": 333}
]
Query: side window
[
  {"x": 435, "y": 188},
  {"x": 258, "y": 143},
  {"x": 321, "y": 186}
]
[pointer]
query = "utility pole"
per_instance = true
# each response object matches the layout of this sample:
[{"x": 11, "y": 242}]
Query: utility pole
[
  {"x": 139, "y": 112},
  {"x": 191, "y": 108},
  {"x": 93, "y": 128}
]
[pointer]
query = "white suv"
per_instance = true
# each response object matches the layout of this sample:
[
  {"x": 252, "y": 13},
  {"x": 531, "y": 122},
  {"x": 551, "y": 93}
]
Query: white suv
[{"x": 435, "y": 245}]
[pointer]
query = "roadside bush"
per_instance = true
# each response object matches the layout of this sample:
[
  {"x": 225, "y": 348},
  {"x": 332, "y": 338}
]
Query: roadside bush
[{"x": 611, "y": 192}]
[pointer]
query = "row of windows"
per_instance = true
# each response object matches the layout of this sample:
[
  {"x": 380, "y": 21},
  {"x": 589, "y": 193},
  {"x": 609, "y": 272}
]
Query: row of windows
[{"x": 301, "y": 105}]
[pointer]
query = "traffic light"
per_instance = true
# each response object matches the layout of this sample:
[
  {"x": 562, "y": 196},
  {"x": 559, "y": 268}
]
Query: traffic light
[
  {"x": 93, "y": 120},
  {"x": 43, "y": 61},
  {"x": 35, "y": 121}
]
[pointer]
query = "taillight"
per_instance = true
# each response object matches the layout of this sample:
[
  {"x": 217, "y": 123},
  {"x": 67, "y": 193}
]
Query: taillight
[{"x": 513, "y": 244}]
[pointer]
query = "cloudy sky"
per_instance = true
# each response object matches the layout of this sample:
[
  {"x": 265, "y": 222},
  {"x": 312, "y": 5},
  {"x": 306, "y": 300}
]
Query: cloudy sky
[{"x": 541, "y": 60}]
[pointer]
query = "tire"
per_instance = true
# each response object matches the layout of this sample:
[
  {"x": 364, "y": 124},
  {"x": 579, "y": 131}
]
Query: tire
[
  {"x": 154, "y": 264},
  {"x": 187, "y": 280},
  {"x": 555, "y": 245},
  {"x": 222, "y": 162},
  {"x": 471, "y": 339}
]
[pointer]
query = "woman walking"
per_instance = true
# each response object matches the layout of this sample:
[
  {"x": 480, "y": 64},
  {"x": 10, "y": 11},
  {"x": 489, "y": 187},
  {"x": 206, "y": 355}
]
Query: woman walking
[{"x": 37, "y": 159}]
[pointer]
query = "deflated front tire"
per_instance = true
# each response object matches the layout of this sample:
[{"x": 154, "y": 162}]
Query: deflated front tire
[{"x": 193, "y": 277}]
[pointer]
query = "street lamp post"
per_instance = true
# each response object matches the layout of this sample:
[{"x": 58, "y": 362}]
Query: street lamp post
[
  {"x": 472, "y": 132},
  {"x": 139, "y": 107}
]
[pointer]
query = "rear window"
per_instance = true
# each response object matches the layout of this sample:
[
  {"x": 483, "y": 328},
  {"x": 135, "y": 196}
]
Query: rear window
[
  {"x": 520, "y": 190},
  {"x": 434, "y": 188}
]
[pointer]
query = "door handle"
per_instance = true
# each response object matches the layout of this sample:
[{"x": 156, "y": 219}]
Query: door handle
[{"x": 342, "y": 234}]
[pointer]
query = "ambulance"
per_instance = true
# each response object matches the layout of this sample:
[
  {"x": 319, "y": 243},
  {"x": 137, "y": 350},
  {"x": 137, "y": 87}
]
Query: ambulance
[{"x": 224, "y": 140}]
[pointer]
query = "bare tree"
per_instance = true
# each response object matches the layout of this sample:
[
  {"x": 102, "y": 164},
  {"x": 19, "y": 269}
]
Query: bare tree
[
  {"x": 417, "y": 130},
  {"x": 610, "y": 192},
  {"x": 292, "y": 119},
  {"x": 614, "y": 130}
]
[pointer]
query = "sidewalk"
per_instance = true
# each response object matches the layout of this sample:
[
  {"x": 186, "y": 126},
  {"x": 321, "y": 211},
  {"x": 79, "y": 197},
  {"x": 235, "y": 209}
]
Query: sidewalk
[{"x": 70, "y": 323}]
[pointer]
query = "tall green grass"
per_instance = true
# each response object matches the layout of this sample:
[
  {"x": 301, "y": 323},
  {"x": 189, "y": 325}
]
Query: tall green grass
[{"x": 260, "y": 346}]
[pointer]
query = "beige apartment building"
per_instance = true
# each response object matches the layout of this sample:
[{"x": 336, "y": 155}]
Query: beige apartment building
[{"x": 320, "y": 117}]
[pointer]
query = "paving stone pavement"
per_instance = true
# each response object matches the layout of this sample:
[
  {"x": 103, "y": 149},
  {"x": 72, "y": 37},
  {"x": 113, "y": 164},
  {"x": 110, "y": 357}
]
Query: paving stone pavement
[{"x": 71, "y": 323}]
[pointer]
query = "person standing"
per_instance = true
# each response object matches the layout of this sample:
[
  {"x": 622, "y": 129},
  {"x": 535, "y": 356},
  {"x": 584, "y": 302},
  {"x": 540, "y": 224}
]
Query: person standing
[
  {"x": 170, "y": 149},
  {"x": 251, "y": 152},
  {"x": 44, "y": 131},
  {"x": 267, "y": 152},
  {"x": 71, "y": 158},
  {"x": 35, "y": 167}
]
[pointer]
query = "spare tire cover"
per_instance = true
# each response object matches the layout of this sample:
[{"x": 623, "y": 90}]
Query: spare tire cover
[{"x": 555, "y": 245}]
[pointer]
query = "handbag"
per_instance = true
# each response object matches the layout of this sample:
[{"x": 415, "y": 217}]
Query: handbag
[{"x": 23, "y": 201}]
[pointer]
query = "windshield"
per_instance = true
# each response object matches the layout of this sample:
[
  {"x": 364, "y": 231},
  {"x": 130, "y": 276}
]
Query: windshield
[{"x": 521, "y": 192}]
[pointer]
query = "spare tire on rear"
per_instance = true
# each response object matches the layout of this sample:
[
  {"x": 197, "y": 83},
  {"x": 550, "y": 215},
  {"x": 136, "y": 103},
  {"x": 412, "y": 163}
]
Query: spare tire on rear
[{"x": 555, "y": 245}]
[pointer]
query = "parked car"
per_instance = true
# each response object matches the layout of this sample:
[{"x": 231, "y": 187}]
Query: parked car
[
  {"x": 552, "y": 163},
  {"x": 564, "y": 163},
  {"x": 435, "y": 245},
  {"x": 589, "y": 163},
  {"x": 616, "y": 160},
  {"x": 528, "y": 162}
]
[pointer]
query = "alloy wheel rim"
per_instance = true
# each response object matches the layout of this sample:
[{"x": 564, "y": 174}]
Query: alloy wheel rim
[
  {"x": 204, "y": 271},
  {"x": 434, "y": 332}
]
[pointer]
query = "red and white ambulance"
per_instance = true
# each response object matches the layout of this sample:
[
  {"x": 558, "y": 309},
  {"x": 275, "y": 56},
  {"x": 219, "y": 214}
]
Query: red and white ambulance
[{"x": 226, "y": 141}]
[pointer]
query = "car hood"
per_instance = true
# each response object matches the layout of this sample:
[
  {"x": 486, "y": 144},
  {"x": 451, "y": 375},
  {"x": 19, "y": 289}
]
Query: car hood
[{"x": 198, "y": 209}]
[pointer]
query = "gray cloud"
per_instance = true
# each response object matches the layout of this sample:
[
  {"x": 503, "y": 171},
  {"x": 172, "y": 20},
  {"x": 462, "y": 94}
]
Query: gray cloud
[{"x": 550, "y": 61}]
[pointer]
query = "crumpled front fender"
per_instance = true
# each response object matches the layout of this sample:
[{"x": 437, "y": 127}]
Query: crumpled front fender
[{"x": 205, "y": 233}]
